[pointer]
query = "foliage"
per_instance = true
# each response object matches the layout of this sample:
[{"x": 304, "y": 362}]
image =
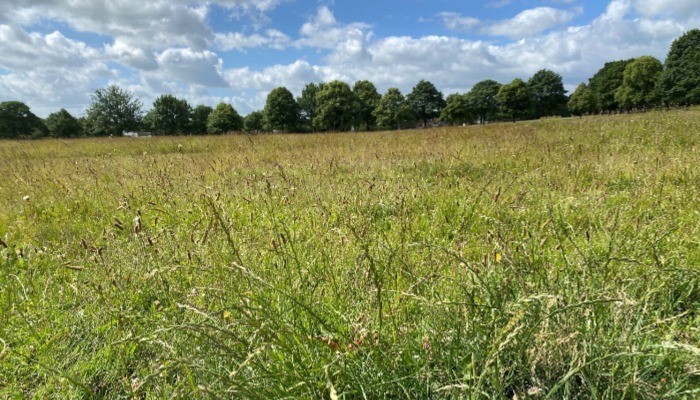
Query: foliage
[
  {"x": 254, "y": 122},
  {"x": 335, "y": 105},
  {"x": 224, "y": 119},
  {"x": 393, "y": 112},
  {"x": 199, "y": 117},
  {"x": 582, "y": 101},
  {"x": 308, "y": 105},
  {"x": 482, "y": 100},
  {"x": 680, "y": 81},
  {"x": 514, "y": 98},
  {"x": 113, "y": 111},
  {"x": 548, "y": 94},
  {"x": 606, "y": 82},
  {"x": 640, "y": 84},
  {"x": 457, "y": 110},
  {"x": 169, "y": 116},
  {"x": 63, "y": 124},
  {"x": 425, "y": 101},
  {"x": 367, "y": 100},
  {"x": 281, "y": 111},
  {"x": 17, "y": 120},
  {"x": 543, "y": 260}
]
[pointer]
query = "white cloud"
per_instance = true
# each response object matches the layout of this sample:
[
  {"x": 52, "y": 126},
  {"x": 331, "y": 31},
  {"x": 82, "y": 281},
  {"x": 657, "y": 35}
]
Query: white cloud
[
  {"x": 324, "y": 32},
  {"x": 457, "y": 22},
  {"x": 667, "y": 7},
  {"x": 192, "y": 66},
  {"x": 239, "y": 41},
  {"x": 530, "y": 22}
]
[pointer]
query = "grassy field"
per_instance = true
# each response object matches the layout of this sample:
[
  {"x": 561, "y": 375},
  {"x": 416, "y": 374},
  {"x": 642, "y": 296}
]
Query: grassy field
[{"x": 550, "y": 259}]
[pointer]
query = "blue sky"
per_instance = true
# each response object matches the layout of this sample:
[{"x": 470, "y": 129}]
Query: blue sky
[{"x": 57, "y": 52}]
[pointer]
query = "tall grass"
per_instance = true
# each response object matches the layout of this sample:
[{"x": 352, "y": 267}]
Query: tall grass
[{"x": 549, "y": 259}]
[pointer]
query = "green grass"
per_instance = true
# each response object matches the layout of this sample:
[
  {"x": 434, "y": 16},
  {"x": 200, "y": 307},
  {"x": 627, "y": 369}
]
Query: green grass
[{"x": 549, "y": 259}]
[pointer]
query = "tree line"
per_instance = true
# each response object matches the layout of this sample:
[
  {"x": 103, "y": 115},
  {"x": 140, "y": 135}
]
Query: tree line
[{"x": 619, "y": 86}]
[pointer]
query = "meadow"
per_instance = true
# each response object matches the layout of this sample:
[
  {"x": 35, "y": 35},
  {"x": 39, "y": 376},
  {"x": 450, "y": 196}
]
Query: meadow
[{"x": 546, "y": 259}]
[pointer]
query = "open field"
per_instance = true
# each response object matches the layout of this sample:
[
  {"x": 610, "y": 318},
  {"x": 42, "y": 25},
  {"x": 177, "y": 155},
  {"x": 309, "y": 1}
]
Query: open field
[{"x": 549, "y": 259}]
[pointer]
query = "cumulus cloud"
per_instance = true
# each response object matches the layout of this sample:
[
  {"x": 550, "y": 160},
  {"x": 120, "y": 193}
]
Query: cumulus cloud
[
  {"x": 323, "y": 31},
  {"x": 188, "y": 65},
  {"x": 530, "y": 22}
]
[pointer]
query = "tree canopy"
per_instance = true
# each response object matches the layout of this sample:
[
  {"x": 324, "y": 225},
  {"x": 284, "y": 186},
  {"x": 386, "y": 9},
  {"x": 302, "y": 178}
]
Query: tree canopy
[
  {"x": 224, "y": 119},
  {"x": 482, "y": 100},
  {"x": 334, "y": 103},
  {"x": 393, "y": 112},
  {"x": 425, "y": 101},
  {"x": 254, "y": 122},
  {"x": 548, "y": 93},
  {"x": 169, "y": 116},
  {"x": 582, "y": 101},
  {"x": 307, "y": 104},
  {"x": 367, "y": 99},
  {"x": 63, "y": 124},
  {"x": 281, "y": 111},
  {"x": 606, "y": 82},
  {"x": 456, "y": 109},
  {"x": 515, "y": 98},
  {"x": 680, "y": 80},
  {"x": 198, "y": 119},
  {"x": 16, "y": 120},
  {"x": 639, "y": 87},
  {"x": 113, "y": 111}
]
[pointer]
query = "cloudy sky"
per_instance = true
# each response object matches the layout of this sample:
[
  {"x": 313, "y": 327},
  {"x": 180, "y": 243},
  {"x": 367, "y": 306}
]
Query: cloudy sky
[{"x": 55, "y": 53}]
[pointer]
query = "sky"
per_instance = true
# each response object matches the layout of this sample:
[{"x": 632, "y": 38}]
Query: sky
[{"x": 55, "y": 53}]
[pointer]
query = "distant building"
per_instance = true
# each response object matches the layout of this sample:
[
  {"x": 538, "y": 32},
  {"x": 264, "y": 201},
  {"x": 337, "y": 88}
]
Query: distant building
[{"x": 137, "y": 134}]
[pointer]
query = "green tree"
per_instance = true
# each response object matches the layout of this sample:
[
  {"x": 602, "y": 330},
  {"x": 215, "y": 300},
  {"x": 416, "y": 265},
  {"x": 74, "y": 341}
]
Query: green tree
[
  {"x": 113, "y": 111},
  {"x": 425, "y": 101},
  {"x": 281, "y": 111},
  {"x": 606, "y": 82},
  {"x": 307, "y": 104},
  {"x": 17, "y": 120},
  {"x": 335, "y": 103},
  {"x": 680, "y": 80},
  {"x": 548, "y": 93},
  {"x": 582, "y": 101},
  {"x": 640, "y": 84},
  {"x": 515, "y": 99},
  {"x": 198, "y": 122},
  {"x": 482, "y": 101},
  {"x": 62, "y": 124},
  {"x": 224, "y": 119},
  {"x": 456, "y": 110},
  {"x": 254, "y": 122},
  {"x": 393, "y": 112},
  {"x": 367, "y": 100},
  {"x": 169, "y": 116}
]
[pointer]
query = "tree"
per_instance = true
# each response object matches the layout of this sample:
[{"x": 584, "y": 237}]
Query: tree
[
  {"x": 393, "y": 112},
  {"x": 16, "y": 120},
  {"x": 680, "y": 80},
  {"x": 169, "y": 115},
  {"x": 456, "y": 110},
  {"x": 334, "y": 107},
  {"x": 224, "y": 119},
  {"x": 307, "y": 104},
  {"x": 281, "y": 111},
  {"x": 640, "y": 84},
  {"x": 605, "y": 83},
  {"x": 482, "y": 101},
  {"x": 425, "y": 101},
  {"x": 254, "y": 122},
  {"x": 582, "y": 101},
  {"x": 113, "y": 111},
  {"x": 548, "y": 94},
  {"x": 515, "y": 98},
  {"x": 198, "y": 122},
  {"x": 62, "y": 124},
  {"x": 367, "y": 100}
]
